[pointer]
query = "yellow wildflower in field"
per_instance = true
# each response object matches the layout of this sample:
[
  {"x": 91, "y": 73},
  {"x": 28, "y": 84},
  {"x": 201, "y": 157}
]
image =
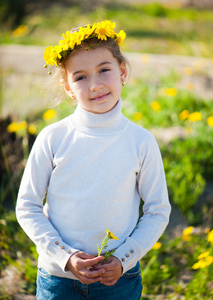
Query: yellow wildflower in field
[
  {"x": 21, "y": 30},
  {"x": 137, "y": 116},
  {"x": 157, "y": 246},
  {"x": 210, "y": 237},
  {"x": 210, "y": 121},
  {"x": 156, "y": 106},
  {"x": 13, "y": 127},
  {"x": 202, "y": 263},
  {"x": 23, "y": 125},
  {"x": 203, "y": 255},
  {"x": 184, "y": 114},
  {"x": 32, "y": 129},
  {"x": 188, "y": 230},
  {"x": 188, "y": 71},
  {"x": 186, "y": 233},
  {"x": 49, "y": 114},
  {"x": 195, "y": 117},
  {"x": 171, "y": 92}
]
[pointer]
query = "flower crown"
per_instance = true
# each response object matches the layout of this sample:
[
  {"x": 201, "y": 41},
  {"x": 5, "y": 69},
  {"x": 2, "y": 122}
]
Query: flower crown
[{"x": 53, "y": 55}]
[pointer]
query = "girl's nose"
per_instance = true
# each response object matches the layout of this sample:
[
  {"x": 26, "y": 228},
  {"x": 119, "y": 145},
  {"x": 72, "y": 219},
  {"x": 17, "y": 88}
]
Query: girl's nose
[{"x": 95, "y": 84}]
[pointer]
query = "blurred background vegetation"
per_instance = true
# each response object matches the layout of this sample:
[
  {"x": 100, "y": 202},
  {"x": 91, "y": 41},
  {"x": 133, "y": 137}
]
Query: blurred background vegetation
[{"x": 172, "y": 100}]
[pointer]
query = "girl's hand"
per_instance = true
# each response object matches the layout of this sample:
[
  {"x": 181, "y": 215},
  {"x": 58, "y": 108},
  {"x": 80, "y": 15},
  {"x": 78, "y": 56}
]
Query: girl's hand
[
  {"x": 82, "y": 266},
  {"x": 113, "y": 270}
]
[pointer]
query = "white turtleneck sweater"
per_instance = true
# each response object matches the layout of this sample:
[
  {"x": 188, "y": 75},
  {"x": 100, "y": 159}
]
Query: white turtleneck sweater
[{"x": 93, "y": 169}]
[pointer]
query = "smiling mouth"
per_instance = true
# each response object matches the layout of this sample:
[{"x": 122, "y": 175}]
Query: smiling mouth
[{"x": 101, "y": 97}]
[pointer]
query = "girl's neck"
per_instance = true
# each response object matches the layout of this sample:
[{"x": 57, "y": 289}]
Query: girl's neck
[{"x": 100, "y": 124}]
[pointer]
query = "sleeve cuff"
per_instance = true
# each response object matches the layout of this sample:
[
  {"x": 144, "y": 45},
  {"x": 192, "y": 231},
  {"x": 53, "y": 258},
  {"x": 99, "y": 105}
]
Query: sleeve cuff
[{"x": 129, "y": 254}]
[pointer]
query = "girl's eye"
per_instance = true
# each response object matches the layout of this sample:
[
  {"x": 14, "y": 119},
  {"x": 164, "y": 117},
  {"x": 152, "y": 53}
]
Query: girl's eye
[
  {"x": 80, "y": 78},
  {"x": 105, "y": 70}
]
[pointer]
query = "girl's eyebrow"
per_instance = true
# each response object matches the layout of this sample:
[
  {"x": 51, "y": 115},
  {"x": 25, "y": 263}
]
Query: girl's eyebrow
[{"x": 99, "y": 65}]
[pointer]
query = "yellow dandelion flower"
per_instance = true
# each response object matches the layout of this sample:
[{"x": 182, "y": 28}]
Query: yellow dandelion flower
[
  {"x": 32, "y": 129},
  {"x": 202, "y": 263},
  {"x": 188, "y": 230},
  {"x": 104, "y": 29},
  {"x": 171, "y": 92},
  {"x": 186, "y": 238},
  {"x": 21, "y": 30},
  {"x": 13, "y": 127},
  {"x": 210, "y": 121},
  {"x": 50, "y": 55},
  {"x": 23, "y": 125},
  {"x": 110, "y": 235},
  {"x": 49, "y": 114},
  {"x": 197, "y": 265},
  {"x": 157, "y": 246},
  {"x": 184, "y": 114},
  {"x": 120, "y": 37},
  {"x": 195, "y": 117},
  {"x": 210, "y": 237},
  {"x": 188, "y": 71},
  {"x": 203, "y": 255},
  {"x": 156, "y": 106},
  {"x": 137, "y": 116}
]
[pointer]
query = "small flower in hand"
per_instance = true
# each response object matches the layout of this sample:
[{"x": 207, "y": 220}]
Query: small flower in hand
[{"x": 109, "y": 235}]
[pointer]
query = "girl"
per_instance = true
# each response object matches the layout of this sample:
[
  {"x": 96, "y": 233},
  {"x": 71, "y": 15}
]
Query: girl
[{"x": 93, "y": 167}]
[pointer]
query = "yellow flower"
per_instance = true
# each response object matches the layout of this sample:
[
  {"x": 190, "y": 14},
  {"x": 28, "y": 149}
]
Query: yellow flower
[
  {"x": 49, "y": 114},
  {"x": 23, "y": 125},
  {"x": 203, "y": 263},
  {"x": 50, "y": 55},
  {"x": 110, "y": 235},
  {"x": 120, "y": 37},
  {"x": 21, "y": 30},
  {"x": 210, "y": 237},
  {"x": 105, "y": 29},
  {"x": 203, "y": 255},
  {"x": 184, "y": 114},
  {"x": 137, "y": 116},
  {"x": 32, "y": 129},
  {"x": 188, "y": 230},
  {"x": 13, "y": 127},
  {"x": 210, "y": 121},
  {"x": 156, "y": 106},
  {"x": 101, "y": 30},
  {"x": 195, "y": 117},
  {"x": 188, "y": 71},
  {"x": 157, "y": 246},
  {"x": 171, "y": 92}
]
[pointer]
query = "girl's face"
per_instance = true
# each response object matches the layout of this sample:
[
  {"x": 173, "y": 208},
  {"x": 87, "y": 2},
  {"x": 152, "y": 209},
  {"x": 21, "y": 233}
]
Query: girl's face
[{"x": 94, "y": 77}]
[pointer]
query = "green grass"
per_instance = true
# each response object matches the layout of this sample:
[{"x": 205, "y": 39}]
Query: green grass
[{"x": 150, "y": 28}]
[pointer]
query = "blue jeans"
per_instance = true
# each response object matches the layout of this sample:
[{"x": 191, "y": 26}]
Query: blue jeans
[{"x": 128, "y": 287}]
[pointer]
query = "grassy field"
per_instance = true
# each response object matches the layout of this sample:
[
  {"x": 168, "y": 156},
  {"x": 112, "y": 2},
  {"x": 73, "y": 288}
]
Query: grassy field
[
  {"x": 150, "y": 28},
  {"x": 178, "y": 267}
]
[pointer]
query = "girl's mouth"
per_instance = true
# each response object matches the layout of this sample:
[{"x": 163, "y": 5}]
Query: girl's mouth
[{"x": 100, "y": 97}]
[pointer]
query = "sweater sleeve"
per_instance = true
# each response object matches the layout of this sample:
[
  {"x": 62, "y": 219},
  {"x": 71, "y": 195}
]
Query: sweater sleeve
[
  {"x": 29, "y": 208},
  {"x": 156, "y": 209}
]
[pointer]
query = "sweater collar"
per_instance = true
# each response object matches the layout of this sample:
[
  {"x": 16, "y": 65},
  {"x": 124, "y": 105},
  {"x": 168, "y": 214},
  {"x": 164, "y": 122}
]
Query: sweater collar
[{"x": 98, "y": 123}]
